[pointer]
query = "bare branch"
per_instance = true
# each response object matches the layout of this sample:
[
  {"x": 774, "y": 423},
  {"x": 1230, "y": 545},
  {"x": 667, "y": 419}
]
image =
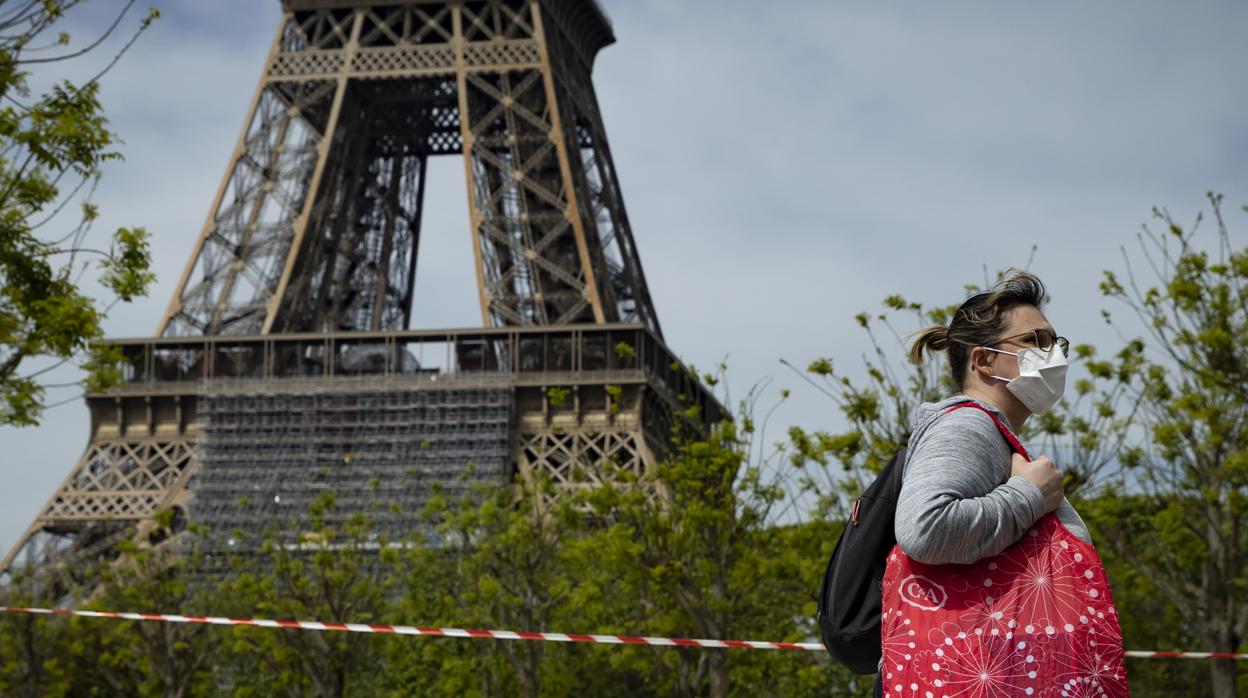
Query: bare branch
[{"x": 90, "y": 47}]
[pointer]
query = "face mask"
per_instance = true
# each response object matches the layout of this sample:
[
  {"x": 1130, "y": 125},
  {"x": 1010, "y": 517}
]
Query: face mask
[{"x": 1041, "y": 378}]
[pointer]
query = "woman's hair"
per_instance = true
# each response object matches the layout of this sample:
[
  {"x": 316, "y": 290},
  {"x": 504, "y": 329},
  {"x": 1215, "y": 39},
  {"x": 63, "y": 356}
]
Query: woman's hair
[{"x": 979, "y": 321}]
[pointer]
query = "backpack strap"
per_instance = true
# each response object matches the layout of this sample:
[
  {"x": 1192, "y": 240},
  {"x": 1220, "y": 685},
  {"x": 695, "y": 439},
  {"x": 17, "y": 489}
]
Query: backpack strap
[{"x": 1005, "y": 431}]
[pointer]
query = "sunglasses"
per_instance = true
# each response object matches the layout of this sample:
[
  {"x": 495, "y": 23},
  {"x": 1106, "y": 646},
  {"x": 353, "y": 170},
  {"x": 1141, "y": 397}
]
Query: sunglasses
[{"x": 1040, "y": 339}]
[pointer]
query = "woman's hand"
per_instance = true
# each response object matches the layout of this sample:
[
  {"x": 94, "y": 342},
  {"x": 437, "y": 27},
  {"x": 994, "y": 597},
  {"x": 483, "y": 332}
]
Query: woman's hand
[{"x": 1042, "y": 473}]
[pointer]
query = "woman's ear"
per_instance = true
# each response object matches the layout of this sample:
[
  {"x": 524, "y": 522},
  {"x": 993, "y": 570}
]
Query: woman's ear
[{"x": 982, "y": 360}]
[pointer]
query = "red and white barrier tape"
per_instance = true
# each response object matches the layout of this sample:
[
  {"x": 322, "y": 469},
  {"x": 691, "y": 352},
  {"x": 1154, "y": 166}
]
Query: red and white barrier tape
[
  {"x": 436, "y": 632},
  {"x": 509, "y": 634}
]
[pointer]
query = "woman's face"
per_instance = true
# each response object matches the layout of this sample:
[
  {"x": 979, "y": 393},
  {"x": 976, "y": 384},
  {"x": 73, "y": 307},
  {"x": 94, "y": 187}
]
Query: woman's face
[{"x": 1018, "y": 335}]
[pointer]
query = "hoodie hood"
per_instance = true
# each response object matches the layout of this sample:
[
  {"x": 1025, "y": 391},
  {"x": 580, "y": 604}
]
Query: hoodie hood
[{"x": 927, "y": 413}]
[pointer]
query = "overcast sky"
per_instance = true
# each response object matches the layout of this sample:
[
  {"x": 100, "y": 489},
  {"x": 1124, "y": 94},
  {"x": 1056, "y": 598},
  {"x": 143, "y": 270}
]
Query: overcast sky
[{"x": 785, "y": 166}]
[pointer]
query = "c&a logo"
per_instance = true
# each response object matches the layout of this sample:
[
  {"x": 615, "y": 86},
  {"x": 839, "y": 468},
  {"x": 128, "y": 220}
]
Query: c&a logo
[{"x": 921, "y": 592}]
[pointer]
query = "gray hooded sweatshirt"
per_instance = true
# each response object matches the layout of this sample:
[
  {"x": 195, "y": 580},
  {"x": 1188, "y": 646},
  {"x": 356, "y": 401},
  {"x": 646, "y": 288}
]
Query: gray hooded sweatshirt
[{"x": 958, "y": 502}]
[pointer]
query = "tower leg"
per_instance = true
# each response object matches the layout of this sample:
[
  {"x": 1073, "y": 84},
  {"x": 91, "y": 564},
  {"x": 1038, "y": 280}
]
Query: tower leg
[{"x": 116, "y": 486}]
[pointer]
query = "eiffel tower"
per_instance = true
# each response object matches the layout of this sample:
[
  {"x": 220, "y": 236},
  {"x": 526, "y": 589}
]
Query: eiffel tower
[{"x": 285, "y": 365}]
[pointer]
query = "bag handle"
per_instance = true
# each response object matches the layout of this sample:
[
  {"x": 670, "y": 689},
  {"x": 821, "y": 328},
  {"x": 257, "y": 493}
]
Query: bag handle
[{"x": 1005, "y": 431}]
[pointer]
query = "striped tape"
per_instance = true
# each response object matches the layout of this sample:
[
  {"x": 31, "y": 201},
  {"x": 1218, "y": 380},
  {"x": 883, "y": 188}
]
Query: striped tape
[{"x": 510, "y": 634}]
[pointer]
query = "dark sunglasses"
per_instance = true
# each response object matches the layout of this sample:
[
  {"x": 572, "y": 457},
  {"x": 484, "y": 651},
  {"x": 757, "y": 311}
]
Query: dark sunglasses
[{"x": 1040, "y": 339}]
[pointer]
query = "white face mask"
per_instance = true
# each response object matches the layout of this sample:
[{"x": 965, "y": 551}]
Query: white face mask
[{"x": 1041, "y": 377}]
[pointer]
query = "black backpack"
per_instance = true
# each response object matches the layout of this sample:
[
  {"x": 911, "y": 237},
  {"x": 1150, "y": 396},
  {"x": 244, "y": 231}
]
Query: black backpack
[{"x": 851, "y": 596}]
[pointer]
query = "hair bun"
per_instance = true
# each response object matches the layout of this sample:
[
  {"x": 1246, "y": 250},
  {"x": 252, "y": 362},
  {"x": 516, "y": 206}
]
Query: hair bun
[{"x": 930, "y": 340}]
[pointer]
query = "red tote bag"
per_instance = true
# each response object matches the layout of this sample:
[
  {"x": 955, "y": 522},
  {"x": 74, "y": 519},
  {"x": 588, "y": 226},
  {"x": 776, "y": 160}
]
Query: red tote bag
[{"x": 1036, "y": 619}]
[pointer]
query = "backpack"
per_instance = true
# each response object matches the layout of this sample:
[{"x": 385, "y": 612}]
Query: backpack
[{"x": 851, "y": 596}]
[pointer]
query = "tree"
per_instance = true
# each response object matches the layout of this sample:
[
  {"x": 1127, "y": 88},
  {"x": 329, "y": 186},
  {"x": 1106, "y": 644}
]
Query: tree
[
  {"x": 51, "y": 656},
  {"x": 511, "y": 557},
  {"x": 49, "y": 144},
  {"x": 322, "y": 571},
  {"x": 33, "y": 652},
  {"x": 877, "y": 412},
  {"x": 692, "y": 549},
  {"x": 696, "y": 549},
  {"x": 1179, "y": 513},
  {"x": 499, "y": 561},
  {"x": 170, "y": 660}
]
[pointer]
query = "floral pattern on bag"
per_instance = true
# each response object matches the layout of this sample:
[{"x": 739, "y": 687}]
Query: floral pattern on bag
[{"x": 1035, "y": 620}]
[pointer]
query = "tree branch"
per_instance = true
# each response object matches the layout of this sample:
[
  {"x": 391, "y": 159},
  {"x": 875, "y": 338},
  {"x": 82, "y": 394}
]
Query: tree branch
[{"x": 90, "y": 47}]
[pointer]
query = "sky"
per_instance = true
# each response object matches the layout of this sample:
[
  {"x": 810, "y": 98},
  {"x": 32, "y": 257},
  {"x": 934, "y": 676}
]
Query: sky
[{"x": 785, "y": 165}]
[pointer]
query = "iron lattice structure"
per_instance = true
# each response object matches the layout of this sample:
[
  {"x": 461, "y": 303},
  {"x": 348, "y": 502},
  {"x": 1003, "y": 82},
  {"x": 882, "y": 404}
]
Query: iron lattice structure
[
  {"x": 316, "y": 225},
  {"x": 285, "y": 366}
]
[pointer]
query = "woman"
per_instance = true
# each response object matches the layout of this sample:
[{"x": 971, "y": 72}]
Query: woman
[{"x": 994, "y": 588}]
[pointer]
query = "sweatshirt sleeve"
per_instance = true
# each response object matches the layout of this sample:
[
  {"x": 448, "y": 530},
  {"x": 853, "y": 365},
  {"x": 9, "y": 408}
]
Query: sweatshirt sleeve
[{"x": 958, "y": 503}]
